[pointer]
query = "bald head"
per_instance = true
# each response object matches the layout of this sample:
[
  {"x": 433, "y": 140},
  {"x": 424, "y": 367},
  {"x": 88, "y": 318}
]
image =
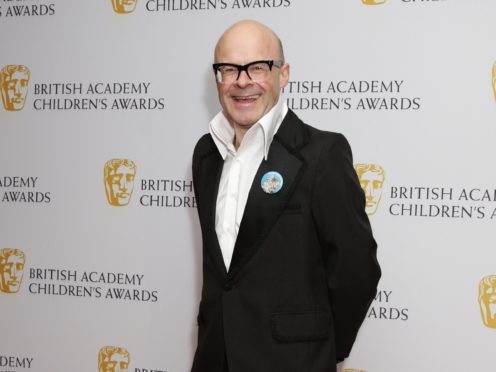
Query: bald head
[
  {"x": 245, "y": 100},
  {"x": 248, "y": 34}
]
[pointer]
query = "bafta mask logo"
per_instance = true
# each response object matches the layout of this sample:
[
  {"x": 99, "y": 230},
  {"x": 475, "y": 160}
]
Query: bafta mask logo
[
  {"x": 373, "y": 2},
  {"x": 118, "y": 176},
  {"x": 14, "y": 82},
  {"x": 487, "y": 300},
  {"x": 494, "y": 79},
  {"x": 372, "y": 179},
  {"x": 124, "y": 6},
  {"x": 113, "y": 359},
  {"x": 11, "y": 269}
]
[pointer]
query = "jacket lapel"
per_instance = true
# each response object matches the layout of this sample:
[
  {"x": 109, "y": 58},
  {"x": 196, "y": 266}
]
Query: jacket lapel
[
  {"x": 210, "y": 171},
  {"x": 262, "y": 210}
]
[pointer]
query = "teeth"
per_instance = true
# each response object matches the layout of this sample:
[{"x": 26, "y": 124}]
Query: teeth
[{"x": 245, "y": 98}]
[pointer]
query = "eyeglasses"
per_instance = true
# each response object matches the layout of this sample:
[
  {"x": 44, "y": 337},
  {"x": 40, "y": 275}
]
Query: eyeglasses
[{"x": 258, "y": 71}]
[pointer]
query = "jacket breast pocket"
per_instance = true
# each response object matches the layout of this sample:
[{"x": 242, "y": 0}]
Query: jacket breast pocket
[{"x": 300, "y": 326}]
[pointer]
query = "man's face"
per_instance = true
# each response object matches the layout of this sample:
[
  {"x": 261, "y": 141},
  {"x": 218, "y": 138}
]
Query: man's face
[
  {"x": 244, "y": 101},
  {"x": 120, "y": 183},
  {"x": 372, "y": 186},
  {"x": 117, "y": 362},
  {"x": 14, "y": 90},
  {"x": 124, "y": 6},
  {"x": 11, "y": 271},
  {"x": 487, "y": 302}
]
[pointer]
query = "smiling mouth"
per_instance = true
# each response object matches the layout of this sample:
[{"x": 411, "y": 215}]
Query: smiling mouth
[{"x": 245, "y": 99}]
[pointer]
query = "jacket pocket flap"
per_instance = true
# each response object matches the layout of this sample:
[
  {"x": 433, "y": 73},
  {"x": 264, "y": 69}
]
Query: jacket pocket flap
[{"x": 301, "y": 326}]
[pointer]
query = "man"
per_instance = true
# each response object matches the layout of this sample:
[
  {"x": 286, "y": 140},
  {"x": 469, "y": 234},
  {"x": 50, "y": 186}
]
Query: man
[{"x": 289, "y": 261}]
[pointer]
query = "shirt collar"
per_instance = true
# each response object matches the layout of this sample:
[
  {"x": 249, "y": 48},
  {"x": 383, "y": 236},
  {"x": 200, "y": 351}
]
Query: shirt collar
[{"x": 223, "y": 133}]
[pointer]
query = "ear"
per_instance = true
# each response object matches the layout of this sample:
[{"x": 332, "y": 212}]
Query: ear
[{"x": 284, "y": 75}]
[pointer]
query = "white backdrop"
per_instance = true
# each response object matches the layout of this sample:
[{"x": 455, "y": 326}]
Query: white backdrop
[{"x": 408, "y": 82}]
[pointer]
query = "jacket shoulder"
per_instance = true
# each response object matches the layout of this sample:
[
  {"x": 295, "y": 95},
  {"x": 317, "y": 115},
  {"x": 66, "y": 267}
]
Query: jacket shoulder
[
  {"x": 296, "y": 135},
  {"x": 203, "y": 147},
  {"x": 323, "y": 139}
]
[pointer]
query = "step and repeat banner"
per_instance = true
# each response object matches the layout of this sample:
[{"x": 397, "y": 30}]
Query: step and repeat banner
[{"x": 102, "y": 102}]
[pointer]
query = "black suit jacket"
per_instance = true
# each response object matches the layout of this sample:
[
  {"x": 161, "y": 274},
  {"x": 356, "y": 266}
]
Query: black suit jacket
[{"x": 304, "y": 268}]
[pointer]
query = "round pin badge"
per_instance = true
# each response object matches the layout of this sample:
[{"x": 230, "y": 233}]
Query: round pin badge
[{"x": 271, "y": 182}]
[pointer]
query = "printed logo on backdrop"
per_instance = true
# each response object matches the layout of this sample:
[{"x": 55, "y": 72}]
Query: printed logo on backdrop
[
  {"x": 351, "y": 95},
  {"x": 119, "y": 179},
  {"x": 75, "y": 96},
  {"x": 23, "y": 8},
  {"x": 380, "y": 2},
  {"x": 129, "y": 6},
  {"x": 12, "y": 263},
  {"x": 88, "y": 284},
  {"x": 124, "y": 6},
  {"x": 426, "y": 201},
  {"x": 23, "y": 190},
  {"x": 113, "y": 359},
  {"x": 100, "y": 96},
  {"x": 373, "y": 2},
  {"x": 494, "y": 80},
  {"x": 105, "y": 285},
  {"x": 384, "y": 307},
  {"x": 11, "y": 362},
  {"x": 14, "y": 84},
  {"x": 372, "y": 179},
  {"x": 487, "y": 300},
  {"x": 118, "y": 359}
]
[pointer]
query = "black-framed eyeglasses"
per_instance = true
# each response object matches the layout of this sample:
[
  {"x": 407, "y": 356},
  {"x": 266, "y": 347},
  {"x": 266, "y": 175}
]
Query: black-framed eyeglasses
[{"x": 257, "y": 71}]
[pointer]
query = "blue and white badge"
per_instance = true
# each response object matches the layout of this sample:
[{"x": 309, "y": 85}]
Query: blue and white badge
[{"x": 271, "y": 182}]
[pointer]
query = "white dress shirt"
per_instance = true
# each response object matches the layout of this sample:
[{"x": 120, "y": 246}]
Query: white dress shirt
[{"x": 240, "y": 167}]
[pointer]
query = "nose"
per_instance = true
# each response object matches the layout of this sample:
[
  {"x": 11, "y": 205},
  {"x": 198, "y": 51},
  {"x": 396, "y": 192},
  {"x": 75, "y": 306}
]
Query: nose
[{"x": 243, "y": 79}]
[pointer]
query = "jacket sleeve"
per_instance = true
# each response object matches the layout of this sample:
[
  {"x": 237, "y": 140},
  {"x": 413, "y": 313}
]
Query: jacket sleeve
[{"x": 349, "y": 249}]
